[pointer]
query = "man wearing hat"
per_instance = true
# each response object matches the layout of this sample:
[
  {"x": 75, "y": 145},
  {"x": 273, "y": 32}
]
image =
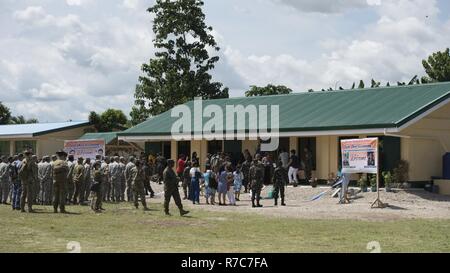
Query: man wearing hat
[
  {"x": 60, "y": 176},
  {"x": 171, "y": 188},
  {"x": 26, "y": 178},
  {"x": 45, "y": 178}
]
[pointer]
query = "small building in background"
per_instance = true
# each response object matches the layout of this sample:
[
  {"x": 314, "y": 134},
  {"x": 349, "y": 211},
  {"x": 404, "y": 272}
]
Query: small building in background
[
  {"x": 113, "y": 145},
  {"x": 41, "y": 138}
]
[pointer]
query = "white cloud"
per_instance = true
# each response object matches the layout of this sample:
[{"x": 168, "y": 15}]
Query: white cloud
[
  {"x": 131, "y": 4},
  {"x": 77, "y": 2},
  {"x": 59, "y": 66},
  {"x": 324, "y": 6},
  {"x": 59, "y": 62},
  {"x": 391, "y": 49}
]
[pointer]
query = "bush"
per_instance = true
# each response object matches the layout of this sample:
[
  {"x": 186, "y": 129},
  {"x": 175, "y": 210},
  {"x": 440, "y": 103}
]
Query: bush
[
  {"x": 387, "y": 179},
  {"x": 401, "y": 172}
]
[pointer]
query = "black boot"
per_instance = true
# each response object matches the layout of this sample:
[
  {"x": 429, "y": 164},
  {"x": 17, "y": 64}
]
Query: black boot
[{"x": 276, "y": 202}]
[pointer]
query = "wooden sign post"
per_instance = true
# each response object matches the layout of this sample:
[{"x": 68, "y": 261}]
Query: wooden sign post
[{"x": 377, "y": 203}]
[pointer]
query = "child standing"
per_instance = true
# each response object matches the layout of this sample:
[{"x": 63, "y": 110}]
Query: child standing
[{"x": 238, "y": 178}]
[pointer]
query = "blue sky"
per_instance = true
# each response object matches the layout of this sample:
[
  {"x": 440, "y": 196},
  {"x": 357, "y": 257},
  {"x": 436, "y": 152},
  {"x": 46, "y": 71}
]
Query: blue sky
[{"x": 60, "y": 59}]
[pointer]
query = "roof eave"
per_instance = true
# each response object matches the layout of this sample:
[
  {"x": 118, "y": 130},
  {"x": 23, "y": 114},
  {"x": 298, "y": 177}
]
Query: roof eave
[{"x": 61, "y": 129}]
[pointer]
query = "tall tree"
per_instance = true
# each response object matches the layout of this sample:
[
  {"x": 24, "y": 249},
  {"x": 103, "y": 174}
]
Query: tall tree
[
  {"x": 5, "y": 114},
  {"x": 109, "y": 120},
  {"x": 267, "y": 90},
  {"x": 180, "y": 69},
  {"x": 437, "y": 66}
]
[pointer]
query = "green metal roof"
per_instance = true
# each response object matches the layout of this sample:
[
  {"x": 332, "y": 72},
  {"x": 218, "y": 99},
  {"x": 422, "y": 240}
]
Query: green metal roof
[
  {"x": 108, "y": 137},
  {"x": 389, "y": 107}
]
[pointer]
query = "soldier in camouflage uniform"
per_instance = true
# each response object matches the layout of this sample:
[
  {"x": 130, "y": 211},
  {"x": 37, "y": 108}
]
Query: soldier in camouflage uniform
[
  {"x": 86, "y": 188},
  {"x": 60, "y": 180},
  {"x": 256, "y": 175},
  {"x": 114, "y": 174},
  {"x": 36, "y": 182},
  {"x": 4, "y": 180},
  {"x": 280, "y": 179},
  {"x": 137, "y": 184},
  {"x": 96, "y": 188},
  {"x": 128, "y": 178},
  {"x": 69, "y": 184},
  {"x": 46, "y": 180},
  {"x": 246, "y": 172},
  {"x": 171, "y": 188},
  {"x": 78, "y": 180},
  {"x": 106, "y": 183},
  {"x": 26, "y": 175},
  {"x": 123, "y": 184}
]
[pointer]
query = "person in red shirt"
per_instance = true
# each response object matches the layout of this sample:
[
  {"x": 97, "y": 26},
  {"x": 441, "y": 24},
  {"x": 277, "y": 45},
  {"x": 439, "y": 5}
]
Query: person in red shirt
[{"x": 181, "y": 165}]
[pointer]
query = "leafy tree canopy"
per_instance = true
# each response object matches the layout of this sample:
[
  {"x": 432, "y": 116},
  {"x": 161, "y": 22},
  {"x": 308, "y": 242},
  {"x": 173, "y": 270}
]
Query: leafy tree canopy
[
  {"x": 109, "y": 120},
  {"x": 437, "y": 66},
  {"x": 267, "y": 90},
  {"x": 179, "y": 72}
]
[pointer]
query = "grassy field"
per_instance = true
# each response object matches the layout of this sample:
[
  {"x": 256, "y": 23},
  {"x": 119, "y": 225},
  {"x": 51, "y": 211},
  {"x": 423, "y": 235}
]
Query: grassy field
[{"x": 124, "y": 229}]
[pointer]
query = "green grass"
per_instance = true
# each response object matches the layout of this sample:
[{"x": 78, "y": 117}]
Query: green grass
[{"x": 123, "y": 229}]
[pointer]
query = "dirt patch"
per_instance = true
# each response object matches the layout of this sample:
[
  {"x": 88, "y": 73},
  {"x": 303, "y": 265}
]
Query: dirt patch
[{"x": 403, "y": 204}]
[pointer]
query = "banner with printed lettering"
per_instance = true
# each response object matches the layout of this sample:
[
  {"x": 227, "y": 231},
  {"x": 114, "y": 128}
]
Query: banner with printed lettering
[
  {"x": 85, "y": 148},
  {"x": 360, "y": 155}
]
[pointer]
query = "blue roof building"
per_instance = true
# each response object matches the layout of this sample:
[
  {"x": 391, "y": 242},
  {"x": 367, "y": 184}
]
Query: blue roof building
[{"x": 42, "y": 138}]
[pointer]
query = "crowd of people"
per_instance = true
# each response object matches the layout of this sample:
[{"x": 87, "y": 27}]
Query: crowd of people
[
  {"x": 60, "y": 179},
  {"x": 225, "y": 176}
]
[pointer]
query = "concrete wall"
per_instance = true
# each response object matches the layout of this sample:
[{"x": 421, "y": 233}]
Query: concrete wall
[
  {"x": 424, "y": 144},
  {"x": 48, "y": 144}
]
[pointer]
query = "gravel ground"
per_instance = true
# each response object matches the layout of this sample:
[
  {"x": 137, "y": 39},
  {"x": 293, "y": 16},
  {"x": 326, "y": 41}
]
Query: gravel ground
[{"x": 403, "y": 204}]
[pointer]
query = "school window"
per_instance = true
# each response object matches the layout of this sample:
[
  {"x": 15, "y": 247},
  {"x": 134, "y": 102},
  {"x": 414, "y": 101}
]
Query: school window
[
  {"x": 4, "y": 148},
  {"x": 23, "y": 145},
  {"x": 310, "y": 144}
]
